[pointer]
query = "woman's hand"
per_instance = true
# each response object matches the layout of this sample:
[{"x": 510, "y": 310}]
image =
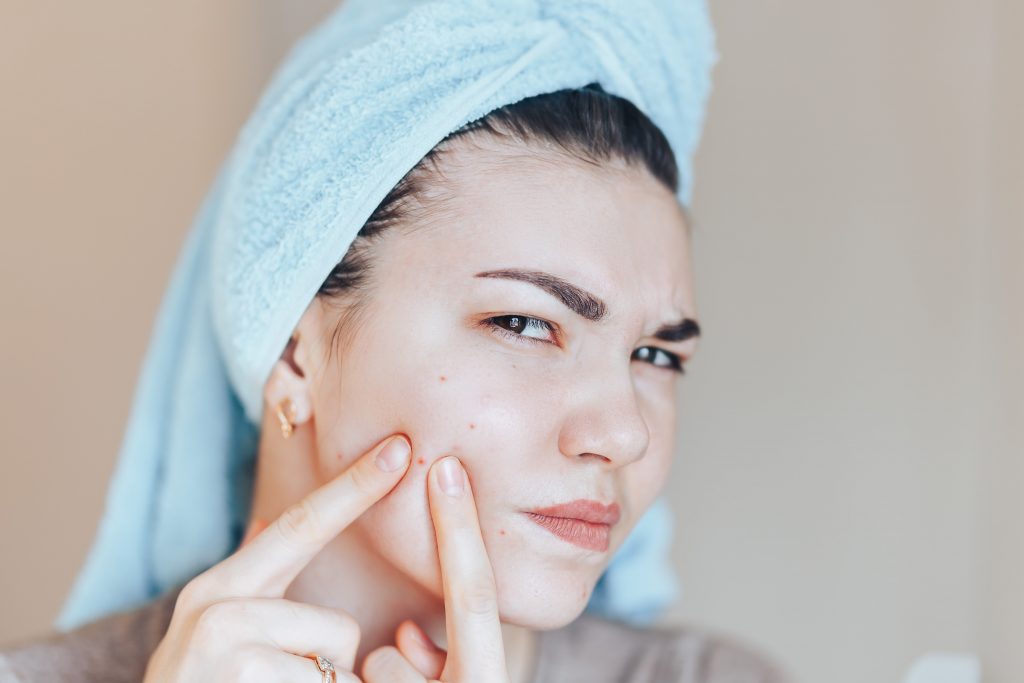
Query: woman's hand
[
  {"x": 476, "y": 651},
  {"x": 231, "y": 623}
]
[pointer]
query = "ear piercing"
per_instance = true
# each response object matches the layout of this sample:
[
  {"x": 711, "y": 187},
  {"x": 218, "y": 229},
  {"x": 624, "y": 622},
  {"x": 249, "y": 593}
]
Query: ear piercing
[{"x": 287, "y": 420}]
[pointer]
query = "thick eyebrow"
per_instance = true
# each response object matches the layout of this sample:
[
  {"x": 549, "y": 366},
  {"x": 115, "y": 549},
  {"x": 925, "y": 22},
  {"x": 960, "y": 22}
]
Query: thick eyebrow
[
  {"x": 580, "y": 301},
  {"x": 585, "y": 304},
  {"x": 680, "y": 331}
]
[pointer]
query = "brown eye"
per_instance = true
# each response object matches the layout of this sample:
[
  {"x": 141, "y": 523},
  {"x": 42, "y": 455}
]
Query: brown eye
[
  {"x": 518, "y": 326},
  {"x": 660, "y": 358}
]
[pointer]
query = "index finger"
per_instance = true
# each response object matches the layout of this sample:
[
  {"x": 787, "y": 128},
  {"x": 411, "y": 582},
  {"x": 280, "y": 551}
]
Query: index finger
[
  {"x": 476, "y": 651},
  {"x": 269, "y": 562}
]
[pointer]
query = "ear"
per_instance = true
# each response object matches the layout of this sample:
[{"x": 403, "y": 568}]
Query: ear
[{"x": 293, "y": 374}]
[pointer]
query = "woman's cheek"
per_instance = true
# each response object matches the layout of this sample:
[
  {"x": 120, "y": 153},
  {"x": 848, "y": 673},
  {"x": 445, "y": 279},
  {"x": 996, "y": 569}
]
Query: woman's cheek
[
  {"x": 399, "y": 527},
  {"x": 447, "y": 409},
  {"x": 646, "y": 477}
]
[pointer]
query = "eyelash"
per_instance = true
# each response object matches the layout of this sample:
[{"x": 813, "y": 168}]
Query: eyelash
[{"x": 675, "y": 362}]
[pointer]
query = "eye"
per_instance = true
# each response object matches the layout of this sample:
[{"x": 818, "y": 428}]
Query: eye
[
  {"x": 513, "y": 326},
  {"x": 650, "y": 353}
]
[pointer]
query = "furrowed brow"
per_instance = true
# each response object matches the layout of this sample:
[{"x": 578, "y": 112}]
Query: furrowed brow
[
  {"x": 680, "y": 331},
  {"x": 580, "y": 301},
  {"x": 585, "y": 304}
]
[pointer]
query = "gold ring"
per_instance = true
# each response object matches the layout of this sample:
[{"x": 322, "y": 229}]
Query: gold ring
[{"x": 326, "y": 668}]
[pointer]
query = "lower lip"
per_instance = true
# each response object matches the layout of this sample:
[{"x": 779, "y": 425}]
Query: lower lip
[{"x": 584, "y": 534}]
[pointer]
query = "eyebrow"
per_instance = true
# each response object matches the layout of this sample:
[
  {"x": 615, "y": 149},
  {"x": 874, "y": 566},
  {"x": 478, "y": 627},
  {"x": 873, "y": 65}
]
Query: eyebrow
[{"x": 585, "y": 304}]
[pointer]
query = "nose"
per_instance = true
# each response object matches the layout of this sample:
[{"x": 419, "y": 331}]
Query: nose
[{"x": 605, "y": 420}]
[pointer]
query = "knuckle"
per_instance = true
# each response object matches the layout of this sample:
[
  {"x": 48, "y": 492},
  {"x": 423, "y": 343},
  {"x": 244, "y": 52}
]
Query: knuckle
[
  {"x": 187, "y": 598},
  {"x": 299, "y": 523},
  {"x": 478, "y": 597},
  {"x": 195, "y": 593},
  {"x": 348, "y": 627},
  {"x": 248, "y": 664},
  {"x": 215, "y": 619},
  {"x": 364, "y": 479}
]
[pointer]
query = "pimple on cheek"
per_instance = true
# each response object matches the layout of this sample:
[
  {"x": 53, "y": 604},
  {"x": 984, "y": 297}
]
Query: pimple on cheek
[
  {"x": 472, "y": 426},
  {"x": 443, "y": 378}
]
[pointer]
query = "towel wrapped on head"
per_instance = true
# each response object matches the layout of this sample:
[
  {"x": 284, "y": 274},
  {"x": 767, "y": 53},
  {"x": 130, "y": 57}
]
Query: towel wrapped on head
[{"x": 356, "y": 104}]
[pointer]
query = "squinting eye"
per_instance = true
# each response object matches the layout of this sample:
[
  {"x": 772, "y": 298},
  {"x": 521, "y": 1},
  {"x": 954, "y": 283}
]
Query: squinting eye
[
  {"x": 647, "y": 353},
  {"x": 512, "y": 326}
]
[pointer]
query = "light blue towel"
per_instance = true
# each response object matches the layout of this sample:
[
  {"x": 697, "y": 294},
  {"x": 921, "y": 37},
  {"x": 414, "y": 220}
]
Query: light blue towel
[{"x": 357, "y": 103}]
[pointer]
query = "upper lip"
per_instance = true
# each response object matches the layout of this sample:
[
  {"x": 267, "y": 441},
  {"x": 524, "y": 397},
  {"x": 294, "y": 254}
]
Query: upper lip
[{"x": 585, "y": 509}]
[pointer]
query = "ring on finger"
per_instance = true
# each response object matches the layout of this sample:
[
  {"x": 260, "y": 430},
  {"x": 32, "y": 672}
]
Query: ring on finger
[{"x": 326, "y": 668}]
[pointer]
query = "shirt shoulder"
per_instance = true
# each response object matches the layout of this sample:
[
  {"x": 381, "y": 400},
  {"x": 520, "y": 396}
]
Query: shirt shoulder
[
  {"x": 112, "y": 649},
  {"x": 599, "y": 650}
]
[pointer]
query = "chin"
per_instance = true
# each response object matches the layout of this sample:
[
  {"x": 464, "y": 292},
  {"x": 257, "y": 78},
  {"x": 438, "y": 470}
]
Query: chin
[{"x": 541, "y": 600}]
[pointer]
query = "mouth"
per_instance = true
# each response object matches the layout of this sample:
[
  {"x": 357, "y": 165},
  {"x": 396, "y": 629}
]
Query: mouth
[{"x": 584, "y": 523}]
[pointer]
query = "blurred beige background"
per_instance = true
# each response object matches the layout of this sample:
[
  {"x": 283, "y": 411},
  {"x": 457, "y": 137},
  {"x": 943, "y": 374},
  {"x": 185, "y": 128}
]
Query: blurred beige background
[{"x": 852, "y": 456}]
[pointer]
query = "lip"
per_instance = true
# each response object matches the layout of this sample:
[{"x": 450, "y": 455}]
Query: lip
[
  {"x": 585, "y": 523},
  {"x": 583, "y": 509}
]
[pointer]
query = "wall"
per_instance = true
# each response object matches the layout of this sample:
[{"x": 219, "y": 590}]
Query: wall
[
  {"x": 1002, "y": 540},
  {"x": 114, "y": 118},
  {"x": 828, "y": 489}
]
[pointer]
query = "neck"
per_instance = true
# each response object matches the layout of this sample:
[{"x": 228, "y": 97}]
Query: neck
[{"x": 347, "y": 574}]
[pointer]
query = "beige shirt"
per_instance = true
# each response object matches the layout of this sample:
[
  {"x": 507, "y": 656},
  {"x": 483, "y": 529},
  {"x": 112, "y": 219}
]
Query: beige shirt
[{"x": 116, "y": 648}]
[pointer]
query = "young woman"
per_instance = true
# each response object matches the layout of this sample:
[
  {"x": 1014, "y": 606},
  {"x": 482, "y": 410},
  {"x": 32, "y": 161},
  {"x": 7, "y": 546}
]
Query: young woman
[{"x": 468, "y": 420}]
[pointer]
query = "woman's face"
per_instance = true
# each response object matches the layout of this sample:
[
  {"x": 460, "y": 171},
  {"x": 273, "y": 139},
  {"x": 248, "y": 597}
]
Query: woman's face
[{"x": 543, "y": 404}]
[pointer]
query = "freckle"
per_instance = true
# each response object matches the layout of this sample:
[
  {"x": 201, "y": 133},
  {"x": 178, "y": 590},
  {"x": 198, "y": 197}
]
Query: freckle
[
  {"x": 421, "y": 461},
  {"x": 502, "y": 532},
  {"x": 472, "y": 426},
  {"x": 443, "y": 378}
]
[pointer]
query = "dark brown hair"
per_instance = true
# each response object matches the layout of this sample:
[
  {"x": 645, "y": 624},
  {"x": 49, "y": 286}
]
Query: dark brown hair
[{"x": 586, "y": 124}]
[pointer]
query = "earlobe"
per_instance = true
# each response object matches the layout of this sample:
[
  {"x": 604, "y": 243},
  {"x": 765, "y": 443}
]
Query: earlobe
[{"x": 285, "y": 411}]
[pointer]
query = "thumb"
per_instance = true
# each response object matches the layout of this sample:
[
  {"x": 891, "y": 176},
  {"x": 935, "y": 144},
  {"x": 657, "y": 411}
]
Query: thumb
[{"x": 420, "y": 650}]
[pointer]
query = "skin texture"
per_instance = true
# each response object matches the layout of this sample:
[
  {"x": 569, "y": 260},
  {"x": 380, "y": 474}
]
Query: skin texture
[{"x": 533, "y": 423}]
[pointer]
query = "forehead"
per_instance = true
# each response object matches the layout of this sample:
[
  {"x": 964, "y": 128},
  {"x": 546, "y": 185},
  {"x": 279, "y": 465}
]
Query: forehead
[{"x": 612, "y": 229}]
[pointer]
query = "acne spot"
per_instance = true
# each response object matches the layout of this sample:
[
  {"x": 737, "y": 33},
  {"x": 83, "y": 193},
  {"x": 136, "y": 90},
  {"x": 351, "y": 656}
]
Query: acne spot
[
  {"x": 472, "y": 426},
  {"x": 421, "y": 461},
  {"x": 443, "y": 378},
  {"x": 502, "y": 532}
]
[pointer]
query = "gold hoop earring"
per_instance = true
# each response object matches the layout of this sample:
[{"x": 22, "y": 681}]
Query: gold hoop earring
[{"x": 287, "y": 421}]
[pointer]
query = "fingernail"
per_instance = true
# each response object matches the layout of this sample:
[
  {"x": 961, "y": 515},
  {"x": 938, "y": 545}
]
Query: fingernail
[
  {"x": 451, "y": 476},
  {"x": 394, "y": 454}
]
